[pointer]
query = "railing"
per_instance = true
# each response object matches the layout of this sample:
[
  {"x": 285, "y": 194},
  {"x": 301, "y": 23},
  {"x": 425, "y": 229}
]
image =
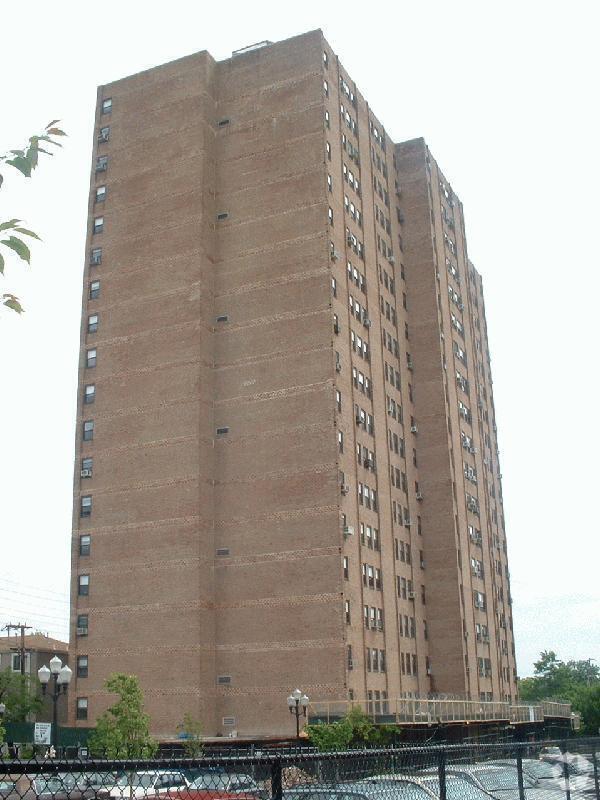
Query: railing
[{"x": 415, "y": 710}]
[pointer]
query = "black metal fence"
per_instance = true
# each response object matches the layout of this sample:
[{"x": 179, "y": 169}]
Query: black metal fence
[{"x": 550, "y": 770}]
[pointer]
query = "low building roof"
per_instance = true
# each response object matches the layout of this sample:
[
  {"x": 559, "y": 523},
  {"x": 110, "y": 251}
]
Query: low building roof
[{"x": 35, "y": 641}]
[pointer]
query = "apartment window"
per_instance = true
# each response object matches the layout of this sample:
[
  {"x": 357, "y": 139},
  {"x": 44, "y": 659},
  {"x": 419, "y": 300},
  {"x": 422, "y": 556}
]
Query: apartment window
[
  {"x": 101, "y": 163},
  {"x": 96, "y": 256},
  {"x": 90, "y": 358},
  {"x": 92, "y": 323},
  {"x": 329, "y": 183},
  {"x": 222, "y": 431},
  {"x": 327, "y": 122},
  {"x": 340, "y": 441},
  {"x": 107, "y": 105},
  {"x": 98, "y": 225},
  {"x": 100, "y": 194},
  {"x": 82, "y": 666},
  {"x": 350, "y": 660},
  {"x": 223, "y": 122},
  {"x": 325, "y": 58},
  {"x": 86, "y": 506},
  {"x": 346, "y": 567},
  {"x": 82, "y": 708},
  {"x": 104, "y": 134},
  {"x": 82, "y": 625},
  {"x": 16, "y": 662},
  {"x": 330, "y": 215},
  {"x": 83, "y": 585},
  {"x": 338, "y": 399},
  {"x": 366, "y": 616},
  {"x": 222, "y": 215},
  {"x": 328, "y": 151},
  {"x": 347, "y": 611},
  {"x": 89, "y": 397},
  {"x": 94, "y": 290},
  {"x": 85, "y": 545},
  {"x": 479, "y": 600},
  {"x": 88, "y": 430},
  {"x": 326, "y": 88}
]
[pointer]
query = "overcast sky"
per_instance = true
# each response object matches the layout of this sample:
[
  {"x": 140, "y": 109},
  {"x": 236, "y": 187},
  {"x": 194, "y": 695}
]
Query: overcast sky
[{"x": 506, "y": 96}]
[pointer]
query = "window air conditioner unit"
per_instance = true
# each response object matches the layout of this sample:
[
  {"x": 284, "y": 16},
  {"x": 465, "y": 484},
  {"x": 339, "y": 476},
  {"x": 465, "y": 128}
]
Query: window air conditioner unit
[
  {"x": 86, "y": 473},
  {"x": 419, "y": 495},
  {"x": 367, "y": 322},
  {"x": 348, "y": 530},
  {"x": 414, "y": 429},
  {"x": 411, "y": 595},
  {"x": 409, "y": 364},
  {"x": 349, "y": 240},
  {"x": 392, "y": 260},
  {"x": 338, "y": 366},
  {"x": 345, "y": 488},
  {"x": 335, "y": 256},
  {"x": 472, "y": 450},
  {"x": 358, "y": 419},
  {"x": 367, "y": 463}
]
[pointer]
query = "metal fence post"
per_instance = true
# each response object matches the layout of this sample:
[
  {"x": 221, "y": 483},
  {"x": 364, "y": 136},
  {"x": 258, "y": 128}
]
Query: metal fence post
[
  {"x": 276, "y": 782},
  {"x": 442, "y": 773},
  {"x": 566, "y": 770},
  {"x": 520, "y": 771},
  {"x": 595, "y": 763}
]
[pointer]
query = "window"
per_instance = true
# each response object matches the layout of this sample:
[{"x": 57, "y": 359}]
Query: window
[
  {"x": 223, "y": 318},
  {"x": 349, "y": 657},
  {"x": 326, "y": 88},
  {"x": 330, "y": 215},
  {"x": 96, "y": 256},
  {"x": 347, "y": 611},
  {"x": 94, "y": 290},
  {"x": 107, "y": 105},
  {"x": 479, "y": 600},
  {"x": 104, "y": 134},
  {"x": 86, "y": 467},
  {"x": 82, "y": 625},
  {"x": 346, "y": 567},
  {"x": 325, "y": 58},
  {"x": 98, "y": 225},
  {"x": 83, "y": 585},
  {"x": 100, "y": 194},
  {"x": 89, "y": 397},
  {"x": 92, "y": 323},
  {"x": 16, "y": 662},
  {"x": 82, "y": 708},
  {"x": 90, "y": 358},
  {"x": 88, "y": 430},
  {"x": 328, "y": 151},
  {"x": 223, "y": 122},
  {"x": 86, "y": 506},
  {"x": 340, "y": 441},
  {"x": 327, "y": 122},
  {"x": 82, "y": 666},
  {"x": 85, "y": 544},
  {"x": 101, "y": 163},
  {"x": 338, "y": 399},
  {"x": 222, "y": 431},
  {"x": 222, "y": 215}
]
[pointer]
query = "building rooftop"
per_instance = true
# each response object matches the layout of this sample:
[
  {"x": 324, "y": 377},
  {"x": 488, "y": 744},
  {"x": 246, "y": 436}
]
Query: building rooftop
[{"x": 36, "y": 641}]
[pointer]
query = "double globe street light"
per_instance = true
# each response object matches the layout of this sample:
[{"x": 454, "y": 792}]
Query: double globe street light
[
  {"x": 61, "y": 676},
  {"x": 297, "y": 704}
]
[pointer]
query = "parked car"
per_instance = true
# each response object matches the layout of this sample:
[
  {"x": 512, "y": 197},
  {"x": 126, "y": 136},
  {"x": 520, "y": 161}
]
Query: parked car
[
  {"x": 391, "y": 788},
  {"x": 61, "y": 786},
  {"x": 151, "y": 782},
  {"x": 457, "y": 787},
  {"x": 501, "y": 782},
  {"x": 231, "y": 783},
  {"x": 7, "y": 788},
  {"x": 318, "y": 792}
]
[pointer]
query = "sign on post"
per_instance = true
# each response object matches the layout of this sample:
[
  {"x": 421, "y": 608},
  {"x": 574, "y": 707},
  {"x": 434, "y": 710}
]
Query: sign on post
[{"x": 42, "y": 733}]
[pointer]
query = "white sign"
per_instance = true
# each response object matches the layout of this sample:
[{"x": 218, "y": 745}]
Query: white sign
[{"x": 42, "y": 733}]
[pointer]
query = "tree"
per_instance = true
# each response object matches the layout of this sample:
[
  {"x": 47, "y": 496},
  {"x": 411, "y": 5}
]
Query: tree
[
  {"x": 24, "y": 161},
  {"x": 123, "y": 730},
  {"x": 555, "y": 680},
  {"x": 587, "y": 701},
  {"x": 191, "y": 734},
  {"x": 354, "y": 729},
  {"x": 15, "y": 693}
]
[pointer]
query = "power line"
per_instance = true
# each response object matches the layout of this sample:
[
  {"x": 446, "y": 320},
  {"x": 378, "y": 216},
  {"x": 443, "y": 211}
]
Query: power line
[{"x": 22, "y": 585}]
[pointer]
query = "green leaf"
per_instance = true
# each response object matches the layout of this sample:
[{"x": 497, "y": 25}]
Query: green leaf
[
  {"x": 50, "y": 124},
  {"x": 18, "y": 152},
  {"x": 19, "y": 247},
  {"x": 10, "y": 224},
  {"x": 22, "y": 164},
  {"x": 27, "y": 232},
  {"x": 56, "y": 131},
  {"x": 1, "y": 264},
  {"x": 11, "y": 301}
]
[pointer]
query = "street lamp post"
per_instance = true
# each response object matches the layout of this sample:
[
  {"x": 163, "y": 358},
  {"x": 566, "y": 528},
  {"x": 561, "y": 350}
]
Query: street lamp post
[
  {"x": 61, "y": 678},
  {"x": 297, "y": 704}
]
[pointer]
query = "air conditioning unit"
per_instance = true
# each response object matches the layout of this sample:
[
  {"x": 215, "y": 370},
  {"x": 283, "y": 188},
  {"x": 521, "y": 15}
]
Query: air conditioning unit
[
  {"x": 349, "y": 240},
  {"x": 461, "y": 306},
  {"x": 86, "y": 473},
  {"x": 407, "y": 523},
  {"x": 335, "y": 256},
  {"x": 367, "y": 322},
  {"x": 338, "y": 366},
  {"x": 409, "y": 364},
  {"x": 344, "y": 488},
  {"x": 392, "y": 260},
  {"x": 82, "y": 631},
  {"x": 367, "y": 463},
  {"x": 429, "y": 671},
  {"x": 348, "y": 530},
  {"x": 414, "y": 429},
  {"x": 411, "y": 595},
  {"x": 358, "y": 419},
  {"x": 419, "y": 495},
  {"x": 472, "y": 450}
]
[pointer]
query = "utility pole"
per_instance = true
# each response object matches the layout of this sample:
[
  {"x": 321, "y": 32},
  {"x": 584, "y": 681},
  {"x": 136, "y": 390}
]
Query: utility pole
[{"x": 22, "y": 628}]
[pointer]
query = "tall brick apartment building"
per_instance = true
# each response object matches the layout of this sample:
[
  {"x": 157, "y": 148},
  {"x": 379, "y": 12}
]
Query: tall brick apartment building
[{"x": 287, "y": 465}]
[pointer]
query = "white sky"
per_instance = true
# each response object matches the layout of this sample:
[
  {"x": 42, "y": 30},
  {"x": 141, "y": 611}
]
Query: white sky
[{"x": 505, "y": 94}]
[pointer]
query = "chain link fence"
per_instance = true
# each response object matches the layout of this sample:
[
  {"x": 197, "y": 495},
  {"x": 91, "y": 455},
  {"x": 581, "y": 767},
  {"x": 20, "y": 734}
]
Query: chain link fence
[{"x": 526, "y": 771}]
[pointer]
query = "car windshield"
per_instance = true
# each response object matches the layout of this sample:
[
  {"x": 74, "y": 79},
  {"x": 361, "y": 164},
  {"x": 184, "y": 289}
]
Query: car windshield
[
  {"x": 501, "y": 779},
  {"x": 457, "y": 789},
  {"x": 395, "y": 790},
  {"x": 321, "y": 794},
  {"x": 140, "y": 781},
  {"x": 541, "y": 769},
  {"x": 7, "y": 786}
]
